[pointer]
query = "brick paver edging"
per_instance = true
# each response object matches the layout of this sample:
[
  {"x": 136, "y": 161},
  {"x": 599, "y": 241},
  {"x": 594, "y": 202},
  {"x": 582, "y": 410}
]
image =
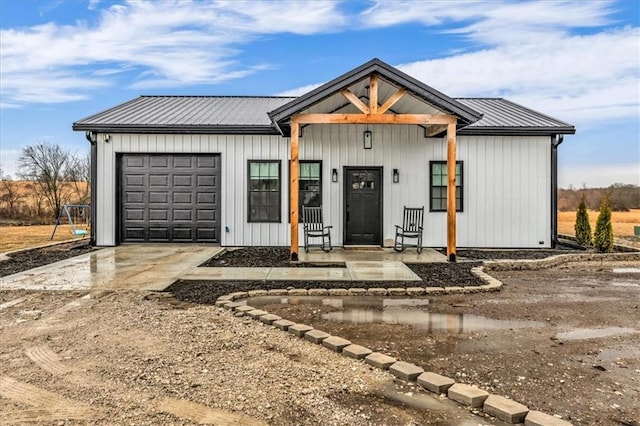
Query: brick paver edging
[{"x": 494, "y": 405}]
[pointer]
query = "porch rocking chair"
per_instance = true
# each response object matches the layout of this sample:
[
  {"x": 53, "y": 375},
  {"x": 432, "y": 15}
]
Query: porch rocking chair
[
  {"x": 411, "y": 228},
  {"x": 314, "y": 228}
]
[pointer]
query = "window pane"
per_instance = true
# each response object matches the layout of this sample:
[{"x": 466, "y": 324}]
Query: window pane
[
  {"x": 264, "y": 191},
  {"x": 304, "y": 170},
  {"x": 254, "y": 169},
  {"x": 314, "y": 170}
]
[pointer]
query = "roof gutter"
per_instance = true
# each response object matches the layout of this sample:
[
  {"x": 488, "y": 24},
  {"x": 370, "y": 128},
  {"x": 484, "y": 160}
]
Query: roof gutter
[
  {"x": 92, "y": 137},
  {"x": 556, "y": 140}
]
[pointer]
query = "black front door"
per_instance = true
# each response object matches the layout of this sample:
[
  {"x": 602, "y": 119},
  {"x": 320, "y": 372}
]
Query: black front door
[{"x": 363, "y": 205}]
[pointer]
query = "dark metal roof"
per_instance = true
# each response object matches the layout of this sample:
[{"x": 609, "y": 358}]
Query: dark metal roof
[
  {"x": 500, "y": 116},
  {"x": 187, "y": 114},
  {"x": 465, "y": 114},
  {"x": 254, "y": 114}
]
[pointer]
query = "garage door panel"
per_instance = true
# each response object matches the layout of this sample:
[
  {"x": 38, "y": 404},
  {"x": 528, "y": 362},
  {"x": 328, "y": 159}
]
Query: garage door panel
[
  {"x": 207, "y": 162},
  {"x": 135, "y": 234},
  {"x": 159, "y": 161},
  {"x": 205, "y": 198},
  {"x": 182, "y": 180},
  {"x": 135, "y": 180},
  {"x": 159, "y": 180},
  {"x": 182, "y": 197},
  {"x": 159, "y": 234},
  {"x": 134, "y": 215},
  {"x": 182, "y": 234},
  {"x": 132, "y": 162},
  {"x": 158, "y": 197},
  {"x": 207, "y": 234},
  {"x": 158, "y": 214},
  {"x": 171, "y": 197},
  {"x": 134, "y": 197}
]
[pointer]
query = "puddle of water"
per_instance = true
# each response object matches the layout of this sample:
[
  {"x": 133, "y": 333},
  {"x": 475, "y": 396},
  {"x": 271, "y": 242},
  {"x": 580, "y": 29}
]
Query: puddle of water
[
  {"x": 594, "y": 333},
  {"x": 361, "y": 310},
  {"x": 433, "y": 322},
  {"x": 626, "y": 270}
]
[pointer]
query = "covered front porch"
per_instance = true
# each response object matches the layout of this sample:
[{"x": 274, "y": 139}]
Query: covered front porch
[{"x": 400, "y": 124}]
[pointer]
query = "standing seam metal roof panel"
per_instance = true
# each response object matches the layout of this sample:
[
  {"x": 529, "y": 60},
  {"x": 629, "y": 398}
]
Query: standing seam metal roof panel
[{"x": 244, "y": 113}]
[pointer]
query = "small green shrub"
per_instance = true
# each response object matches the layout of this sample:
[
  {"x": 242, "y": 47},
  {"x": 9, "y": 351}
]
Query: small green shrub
[
  {"x": 582, "y": 226},
  {"x": 603, "y": 236}
]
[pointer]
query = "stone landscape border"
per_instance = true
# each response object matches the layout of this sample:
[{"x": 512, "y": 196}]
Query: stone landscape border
[{"x": 494, "y": 405}]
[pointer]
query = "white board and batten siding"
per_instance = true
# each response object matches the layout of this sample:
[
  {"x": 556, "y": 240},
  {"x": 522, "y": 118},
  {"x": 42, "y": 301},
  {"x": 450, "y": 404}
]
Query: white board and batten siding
[{"x": 507, "y": 181}]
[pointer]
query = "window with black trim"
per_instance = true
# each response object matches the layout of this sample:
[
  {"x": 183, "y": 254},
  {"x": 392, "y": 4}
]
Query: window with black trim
[
  {"x": 438, "y": 184},
  {"x": 264, "y": 191},
  {"x": 309, "y": 184}
]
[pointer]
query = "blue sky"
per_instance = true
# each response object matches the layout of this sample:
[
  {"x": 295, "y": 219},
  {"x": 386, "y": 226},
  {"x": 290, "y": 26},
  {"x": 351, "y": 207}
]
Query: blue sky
[{"x": 578, "y": 61}]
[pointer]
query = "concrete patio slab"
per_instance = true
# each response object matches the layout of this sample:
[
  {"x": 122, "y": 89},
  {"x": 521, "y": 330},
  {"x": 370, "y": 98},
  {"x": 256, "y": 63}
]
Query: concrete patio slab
[
  {"x": 227, "y": 273},
  {"x": 308, "y": 274},
  {"x": 131, "y": 267},
  {"x": 381, "y": 271},
  {"x": 377, "y": 254}
]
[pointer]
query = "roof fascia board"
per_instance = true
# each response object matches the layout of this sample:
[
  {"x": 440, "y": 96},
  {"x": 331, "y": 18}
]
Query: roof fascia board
[
  {"x": 214, "y": 130},
  {"x": 516, "y": 131}
]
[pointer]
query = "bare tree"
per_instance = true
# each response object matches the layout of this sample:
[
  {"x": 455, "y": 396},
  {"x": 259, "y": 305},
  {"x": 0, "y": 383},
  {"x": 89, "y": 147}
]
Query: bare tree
[
  {"x": 10, "y": 195},
  {"x": 79, "y": 176},
  {"x": 47, "y": 165}
]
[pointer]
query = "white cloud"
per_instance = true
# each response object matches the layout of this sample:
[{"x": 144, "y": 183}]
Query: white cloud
[
  {"x": 298, "y": 91},
  {"x": 168, "y": 43},
  {"x": 581, "y": 79},
  {"x": 598, "y": 176},
  {"x": 528, "y": 52}
]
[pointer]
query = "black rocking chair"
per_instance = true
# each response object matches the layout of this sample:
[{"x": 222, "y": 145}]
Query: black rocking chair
[
  {"x": 411, "y": 228},
  {"x": 314, "y": 228}
]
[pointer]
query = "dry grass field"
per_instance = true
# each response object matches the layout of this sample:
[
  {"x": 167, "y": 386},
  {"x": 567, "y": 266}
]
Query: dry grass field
[
  {"x": 18, "y": 237},
  {"x": 622, "y": 222}
]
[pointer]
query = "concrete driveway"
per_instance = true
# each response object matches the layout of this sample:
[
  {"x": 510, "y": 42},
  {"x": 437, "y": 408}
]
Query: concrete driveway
[{"x": 131, "y": 267}]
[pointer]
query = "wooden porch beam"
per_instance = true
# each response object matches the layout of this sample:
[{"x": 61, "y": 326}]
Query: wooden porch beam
[
  {"x": 374, "y": 119},
  {"x": 373, "y": 93},
  {"x": 391, "y": 101},
  {"x": 351, "y": 97},
  {"x": 293, "y": 188},
  {"x": 434, "y": 130},
  {"x": 451, "y": 192}
]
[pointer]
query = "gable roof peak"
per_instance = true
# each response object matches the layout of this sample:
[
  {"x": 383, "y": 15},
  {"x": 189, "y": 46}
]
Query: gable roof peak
[{"x": 394, "y": 76}]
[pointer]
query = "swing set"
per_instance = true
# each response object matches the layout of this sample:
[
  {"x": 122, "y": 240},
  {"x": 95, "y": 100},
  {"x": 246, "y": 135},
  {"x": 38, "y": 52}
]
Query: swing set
[{"x": 76, "y": 215}]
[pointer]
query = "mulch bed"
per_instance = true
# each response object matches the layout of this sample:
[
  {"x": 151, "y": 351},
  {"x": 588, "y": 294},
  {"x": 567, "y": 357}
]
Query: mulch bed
[
  {"x": 512, "y": 254},
  {"x": 206, "y": 292},
  {"x": 30, "y": 259}
]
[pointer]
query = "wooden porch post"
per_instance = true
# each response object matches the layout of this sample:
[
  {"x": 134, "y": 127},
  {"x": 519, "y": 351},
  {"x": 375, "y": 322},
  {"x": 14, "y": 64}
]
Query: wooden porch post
[
  {"x": 293, "y": 187},
  {"x": 451, "y": 192}
]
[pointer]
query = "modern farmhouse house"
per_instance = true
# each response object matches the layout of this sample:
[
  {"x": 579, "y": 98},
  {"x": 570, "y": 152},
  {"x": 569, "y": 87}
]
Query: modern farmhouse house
[{"x": 236, "y": 170}]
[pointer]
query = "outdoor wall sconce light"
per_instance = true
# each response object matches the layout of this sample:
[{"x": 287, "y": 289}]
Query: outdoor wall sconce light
[
  {"x": 368, "y": 139},
  {"x": 334, "y": 175},
  {"x": 396, "y": 176},
  {"x": 106, "y": 137}
]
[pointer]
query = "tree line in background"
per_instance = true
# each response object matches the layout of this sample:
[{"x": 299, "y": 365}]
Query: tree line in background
[
  {"x": 622, "y": 197},
  {"x": 50, "y": 176}
]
